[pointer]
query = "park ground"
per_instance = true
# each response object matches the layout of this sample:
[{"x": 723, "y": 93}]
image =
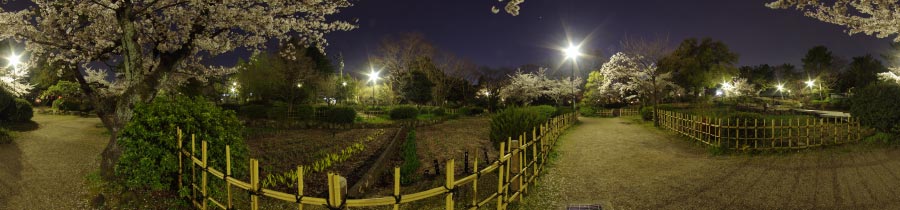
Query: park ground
[
  {"x": 45, "y": 168},
  {"x": 622, "y": 163}
]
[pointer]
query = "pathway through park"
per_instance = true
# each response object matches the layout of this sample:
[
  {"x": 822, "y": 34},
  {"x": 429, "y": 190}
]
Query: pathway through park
[
  {"x": 46, "y": 168},
  {"x": 624, "y": 165}
]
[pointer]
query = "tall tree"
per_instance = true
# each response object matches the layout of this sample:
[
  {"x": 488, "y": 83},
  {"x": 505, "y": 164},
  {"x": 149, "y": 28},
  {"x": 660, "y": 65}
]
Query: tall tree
[
  {"x": 863, "y": 71},
  {"x": 416, "y": 87},
  {"x": 699, "y": 65},
  {"x": 592, "y": 95},
  {"x": 760, "y": 77},
  {"x": 157, "y": 43}
]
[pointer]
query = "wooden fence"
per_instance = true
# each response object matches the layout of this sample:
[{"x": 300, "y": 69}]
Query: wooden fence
[
  {"x": 517, "y": 168},
  {"x": 756, "y": 134},
  {"x": 629, "y": 111}
]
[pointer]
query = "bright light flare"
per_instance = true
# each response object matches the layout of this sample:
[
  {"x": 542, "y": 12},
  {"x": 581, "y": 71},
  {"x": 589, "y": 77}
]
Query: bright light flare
[
  {"x": 13, "y": 60},
  {"x": 344, "y": 84},
  {"x": 572, "y": 51},
  {"x": 811, "y": 83},
  {"x": 780, "y": 87},
  {"x": 373, "y": 76}
]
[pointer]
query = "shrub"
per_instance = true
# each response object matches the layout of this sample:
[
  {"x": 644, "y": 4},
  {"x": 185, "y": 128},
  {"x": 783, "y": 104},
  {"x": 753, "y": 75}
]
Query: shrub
[
  {"x": 21, "y": 112},
  {"x": 67, "y": 104},
  {"x": 304, "y": 112},
  {"x": 878, "y": 106},
  {"x": 647, "y": 113},
  {"x": 440, "y": 111},
  {"x": 881, "y": 137},
  {"x": 512, "y": 122},
  {"x": 5, "y": 136},
  {"x": 471, "y": 110},
  {"x": 411, "y": 162},
  {"x": 587, "y": 111},
  {"x": 562, "y": 111},
  {"x": 254, "y": 111},
  {"x": 404, "y": 113},
  {"x": 340, "y": 115},
  {"x": 149, "y": 141},
  {"x": 546, "y": 111}
]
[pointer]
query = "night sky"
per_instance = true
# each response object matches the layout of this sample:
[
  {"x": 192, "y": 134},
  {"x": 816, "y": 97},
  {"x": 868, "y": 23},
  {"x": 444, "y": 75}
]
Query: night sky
[{"x": 468, "y": 29}]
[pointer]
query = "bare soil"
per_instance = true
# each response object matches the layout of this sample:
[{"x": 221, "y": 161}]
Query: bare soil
[
  {"x": 46, "y": 168},
  {"x": 623, "y": 164}
]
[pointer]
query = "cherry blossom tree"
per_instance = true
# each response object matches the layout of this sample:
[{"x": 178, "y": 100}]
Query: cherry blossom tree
[
  {"x": 629, "y": 76},
  {"x": 561, "y": 89},
  {"x": 155, "y": 44},
  {"x": 525, "y": 87},
  {"x": 512, "y": 7},
  {"x": 870, "y": 17}
]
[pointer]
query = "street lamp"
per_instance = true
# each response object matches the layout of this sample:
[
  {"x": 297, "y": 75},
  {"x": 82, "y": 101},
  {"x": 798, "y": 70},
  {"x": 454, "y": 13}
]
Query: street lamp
[
  {"x": 780, "y": 90},
  {"x": 572, "y": 52},
  {"x": 373, "y": 77}
]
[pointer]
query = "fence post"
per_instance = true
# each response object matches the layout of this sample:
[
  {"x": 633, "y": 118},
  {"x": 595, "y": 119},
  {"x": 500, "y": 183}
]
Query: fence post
[
  {"x": 254, "y": 184},
  {"x": 397, "y": 185},
  {"x": 193, "y": 171},
  {"x": 337, "y": 191},
  {"x": 474, "y": 183},
  {"x": 229, "y": 205},
  {"x": 719, "y": 132},
  {"x": 514, "y": 164},
  {"x": 205, "y": 174},
  {"x": 500, "y": 177},
  {"x": 300, "y": 187},
  {"x": 180, "y": 161},
  {"x": 756, "y": 133},
  {"x": 449, "y": 183}
]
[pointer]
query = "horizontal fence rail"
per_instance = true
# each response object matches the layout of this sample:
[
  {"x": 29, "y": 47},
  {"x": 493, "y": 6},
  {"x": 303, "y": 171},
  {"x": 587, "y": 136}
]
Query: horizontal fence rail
[
  {"x": 630, "y": 111},
  {"x": 517, "y": 168},
  {"x": 762, "y": 134}
]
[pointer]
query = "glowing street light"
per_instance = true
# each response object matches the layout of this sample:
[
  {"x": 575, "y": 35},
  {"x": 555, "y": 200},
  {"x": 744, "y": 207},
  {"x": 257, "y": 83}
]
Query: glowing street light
[
  {"x": 373, "y": 77},
  {"x": 572, "y": 52},
  {"x": 811, "y": 83},
  {"x": 780, "y": 88},
  {"x": 344, "y": 84},
  {"x": 13, "y": 60}
]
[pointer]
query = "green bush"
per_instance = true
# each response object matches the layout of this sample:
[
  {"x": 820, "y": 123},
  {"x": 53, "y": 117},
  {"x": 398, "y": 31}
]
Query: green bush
[
  {"x": 878, "y": 106},
  {"x": 546, "y": 111},
  {"x": 149, "y": 141},
  {"x": 411, "y": 162},
  {"x": 881, "y": 137},
  {"x": 562, "y": 111},
  {"x": 647, "y": 113},
  {"x": 471, "y": 110},
  {"x": 67, "y": 104},
  {"x": 440, "y": 111},
  {"x": 21, "y": 112},
  {"x": 5, "y": 136},
  {"x": 512, "y": 122},
  {"x": 304, "y": 112},
  {"x": 254, "y": 111},
  {"x": 404, "y": 113},
  {"x": 340, "y": 115},
  {"x": 587, "y": 111}
]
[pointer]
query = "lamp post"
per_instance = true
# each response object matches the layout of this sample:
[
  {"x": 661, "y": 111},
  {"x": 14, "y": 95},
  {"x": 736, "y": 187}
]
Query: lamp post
[
  {"x": 373, "y": 77},
  {"x": 812, "y": 84},
  {"x": 572, "y": 52},
  {"x": 780, "y": 90}
]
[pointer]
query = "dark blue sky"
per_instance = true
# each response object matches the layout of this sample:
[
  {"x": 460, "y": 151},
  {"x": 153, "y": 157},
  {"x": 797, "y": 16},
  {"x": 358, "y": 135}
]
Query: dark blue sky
[{"x": 468, "y": 29}]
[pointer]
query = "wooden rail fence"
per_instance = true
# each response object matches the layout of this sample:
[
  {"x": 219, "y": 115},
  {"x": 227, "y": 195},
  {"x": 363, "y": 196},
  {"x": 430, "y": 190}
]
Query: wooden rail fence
[
  {"x": 756, "y": 134},
  {"x": 517, "y": 168},
  {"x": 630, "y": 111}
]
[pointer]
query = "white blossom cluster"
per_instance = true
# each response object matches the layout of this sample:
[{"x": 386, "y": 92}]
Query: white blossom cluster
[
  {"x": 628, "y": 76},
  {"x": 12, "y": 79},
  {"x": 871, "y": 17},
  {"x": 890, "y": 76},
  {"x": 164, "y": 37},
  {"x": 512, "y": 7},
  {"x": 526, "y": 87}
]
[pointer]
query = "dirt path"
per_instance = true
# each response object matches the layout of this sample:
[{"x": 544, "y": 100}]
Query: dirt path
[
  {"x": 46, "y": 168},
  {"x": 627, "y": 166}
]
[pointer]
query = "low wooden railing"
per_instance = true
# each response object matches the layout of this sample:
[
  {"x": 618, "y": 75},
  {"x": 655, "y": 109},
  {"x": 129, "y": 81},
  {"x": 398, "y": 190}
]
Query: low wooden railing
[
  {"x": 756, "y": 134},
  {"x": 517, "y": 168}
]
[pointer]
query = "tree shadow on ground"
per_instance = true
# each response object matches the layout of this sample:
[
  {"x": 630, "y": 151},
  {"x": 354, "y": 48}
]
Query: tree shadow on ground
[{"x": 21, "y": 127}]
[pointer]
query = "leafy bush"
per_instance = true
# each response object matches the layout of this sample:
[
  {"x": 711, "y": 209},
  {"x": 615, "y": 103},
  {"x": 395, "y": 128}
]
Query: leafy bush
[
  {"x": 67, "y": 104},
  {"x": 304, "y": 112},
  {"x": 440, "y": 111},
  {"x": 512, "y": 122},
  {"x": 254, "y": 111},
  {"x": 410, "y": 160},
  {"x": 878, "y": 106},
  {"x": 149, "y": 141},
  {"x": 340, "y": 115},
  {"x": 587, "y": 111},
  {"x": 562, "y": 111},
  {"x": 21, "y": 112},
  {"x": 404, "y": 113},
  {"x": 63, "y": 88},
  {"x": 471, "y": 110},
  {"x": 5, "y": 136},
  {"x": 881, "y": 137},
  {"x": 546, "y": 111},
  {"x": 647, "y": 113}
]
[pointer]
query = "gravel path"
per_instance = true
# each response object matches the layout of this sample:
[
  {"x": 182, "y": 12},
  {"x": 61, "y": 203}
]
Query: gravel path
[
  {"x": 46, "y": 168},
  {"x": 622, "y": 165}
]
